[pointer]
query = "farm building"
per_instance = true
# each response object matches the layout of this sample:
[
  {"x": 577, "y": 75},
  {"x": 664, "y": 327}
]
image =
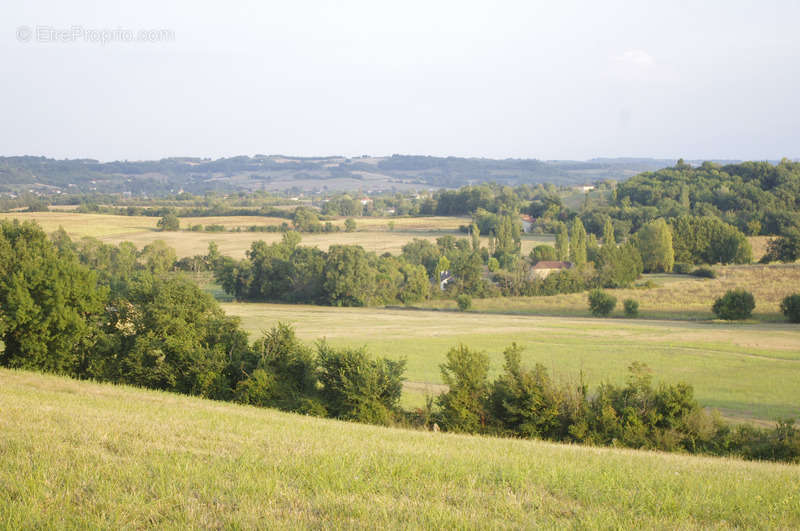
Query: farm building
[{"x": 545, "y": 267}]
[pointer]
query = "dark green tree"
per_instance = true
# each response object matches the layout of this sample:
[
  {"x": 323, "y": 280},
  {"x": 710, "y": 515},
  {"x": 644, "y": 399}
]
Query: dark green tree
[
  {"x": 736, "y": 304},
  {"x": 562, "y": 242},
  {"x": 50, "y": 305},
  {"x": 348, "y": 278},
  {"x": 464, "y": 405},
  {"x": 169, "y": 222}
]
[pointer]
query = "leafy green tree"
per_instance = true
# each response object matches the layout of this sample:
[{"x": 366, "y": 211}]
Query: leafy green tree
[
  {"x": 425, "y": 253},
  {"x": 475, "y": 235},
  {"x": 416, "y": 286},
  {"x": 618, "y": 266},
  {"x": 543, "y": 252},
  {"x": 526, "y": 402},
  {"x": 158, "y": 257},
  {"x": 464, "y": 405},
  {"x": 608, "y": 233},
  {"x": 169, "y": 222},
  {"x": 654, "y": 242},
  {"x": 348, "y": 278},
  {"x": 577, "y": 245},
  {"x": 709, "y": 240},
  {"x": 358, "y": 387},
  {"x": 50, "y": 305},
  {"x": 631, "y": 307},
  {"x": 562, "y": 242},
  {"x": 165, "y": 333},
  {"x": 282, "y": 375},
  {"x": 736, "y": 304},
  {"x": 790, "y": 306},
  {"x": 349, "y": 225},
  {"x": 464, "y": 302},
  {"x": 601, "y": 304},
  {"x": 784, "y": 248},
  {"x": 306, "y": 220},
  {"x": 467, "y": 268}
]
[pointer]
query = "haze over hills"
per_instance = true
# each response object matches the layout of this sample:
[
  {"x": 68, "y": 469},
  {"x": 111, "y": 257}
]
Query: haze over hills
[{"x": 307, "y": 174}]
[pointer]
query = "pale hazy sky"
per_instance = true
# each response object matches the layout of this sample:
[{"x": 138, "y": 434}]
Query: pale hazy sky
[{"x": 548, "y": 79}]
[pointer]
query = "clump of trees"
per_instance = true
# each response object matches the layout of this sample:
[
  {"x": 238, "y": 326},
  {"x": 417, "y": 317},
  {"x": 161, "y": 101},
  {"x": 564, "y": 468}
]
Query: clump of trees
[
  {"x": 131, "y": 321},
  {"x": 345, "y": 275},
  {"x": 530, "y": 403}
]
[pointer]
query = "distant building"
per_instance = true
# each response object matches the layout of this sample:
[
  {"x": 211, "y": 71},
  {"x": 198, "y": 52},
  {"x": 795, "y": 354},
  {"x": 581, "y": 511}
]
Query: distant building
[
  {"x": 543, "y": 268},
  {"x": 444, "y": 279},
  {"x": 527, "y": 222},
  {"x": 587, "y": 188}
]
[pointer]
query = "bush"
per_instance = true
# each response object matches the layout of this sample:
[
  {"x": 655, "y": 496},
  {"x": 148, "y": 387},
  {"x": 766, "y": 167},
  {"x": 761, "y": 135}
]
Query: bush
[
  {"x": 464, "y": 302},
  {"x": 631, "y": 307},
  {"x": 601, "y": 303},
  {"x": 682, "y": 268},
  {"x": 735, "y": 305},
  {"x": 704, "y": 272},
  {"x": 356, "y": 386},
  {"x": 790, "y": 306},
  {"x": 349, "y": 225},
  {"x": 463, "y": 406}
]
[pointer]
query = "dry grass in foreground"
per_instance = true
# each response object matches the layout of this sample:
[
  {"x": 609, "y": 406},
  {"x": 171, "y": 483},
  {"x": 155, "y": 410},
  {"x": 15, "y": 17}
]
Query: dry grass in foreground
[{"x": 77, "y": 455}]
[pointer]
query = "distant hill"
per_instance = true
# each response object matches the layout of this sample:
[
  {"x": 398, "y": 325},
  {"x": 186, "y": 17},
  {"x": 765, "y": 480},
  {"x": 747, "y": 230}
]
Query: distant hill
[{"x": 278, "y": 172}]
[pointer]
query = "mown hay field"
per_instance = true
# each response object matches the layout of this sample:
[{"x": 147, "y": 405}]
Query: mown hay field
[
  {"x": 84, "y": 455},
  {"x": 374, "y": 234},
  {"x": 748, "y": 371}
]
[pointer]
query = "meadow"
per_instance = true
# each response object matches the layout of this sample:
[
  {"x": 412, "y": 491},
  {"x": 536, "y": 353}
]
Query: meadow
[
  {"x": 672, "y": 296},
  {"x": 747, "y": 371},
  {"x": 84, "y": 455}
]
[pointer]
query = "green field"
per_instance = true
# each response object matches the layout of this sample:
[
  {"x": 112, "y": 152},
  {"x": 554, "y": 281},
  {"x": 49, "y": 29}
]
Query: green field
[
  {"x": 84, "y": 455},
  {"x": 747, "y": 371}
]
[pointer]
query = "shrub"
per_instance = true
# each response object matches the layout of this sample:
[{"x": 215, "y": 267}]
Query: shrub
[
  {"x": 466, "y": 376},
  {"x": 682, "y": 268},
  {"x": 493, "y": 264},
  {"x": 169, "y": 222},
  {"x": 704, "y": 272},
  {"x": 601, "y": 303},
  {"x": 790, "y": 306},
  {"x": 357, "y": 387},
  {"x": 464, "y": 302},
  {"x": 735, "y": 305},
  {"x": 631, "y": 307},
  {"x": 349, "y": 225}
]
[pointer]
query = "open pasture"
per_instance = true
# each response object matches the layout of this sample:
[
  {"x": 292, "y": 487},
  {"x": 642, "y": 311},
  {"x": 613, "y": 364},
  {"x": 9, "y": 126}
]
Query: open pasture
[
  {"x": 679, "y": 297},
  {"x": 84, "y": 455},
  {"x": 747, "y": 371}
]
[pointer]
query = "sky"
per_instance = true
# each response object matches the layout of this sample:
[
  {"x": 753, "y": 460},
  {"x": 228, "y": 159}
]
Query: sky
[{"x": 536, "y": 79}]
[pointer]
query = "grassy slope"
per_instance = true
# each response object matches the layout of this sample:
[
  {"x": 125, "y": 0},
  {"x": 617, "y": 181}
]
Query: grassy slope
[
  {"x": 748, "y": 371},
  {"x": 77, "y": 454}
]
